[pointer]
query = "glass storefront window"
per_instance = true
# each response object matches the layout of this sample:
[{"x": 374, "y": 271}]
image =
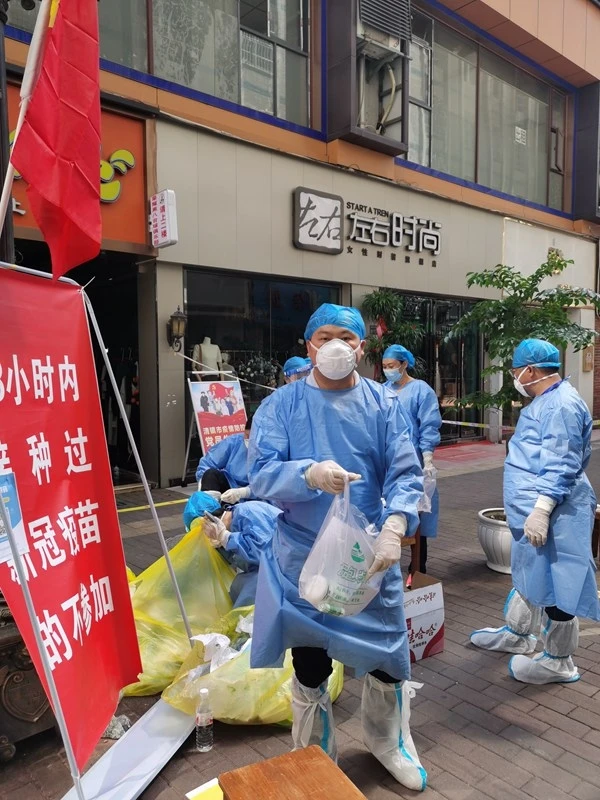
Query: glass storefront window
[
  {"x": 255, "y": 322},
  {"x": 513, "y": 130},
  {"x": 452, "y": 368},
  {"x": 124, "y": 33},
  {"x": 196, "y": 44},
  {"x": 123, "y": 30},
  {"x": 252, "y": 52},
  {"x": 257, "y": 73},
  {"x": 454, "y": 104},
  {"x": 480, "y": 118}
]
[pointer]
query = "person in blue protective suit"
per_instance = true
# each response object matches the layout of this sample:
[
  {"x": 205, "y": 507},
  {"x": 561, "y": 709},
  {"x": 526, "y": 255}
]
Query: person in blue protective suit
[
  {"x": 421, "y": 404},
  {"x": 240, "y": 533},
  {"x": 296, "y": 368},
  {"x": 550, "y": 507},
  {"x": 223, "y": 471},
  {"x": 308, "y": 439}
]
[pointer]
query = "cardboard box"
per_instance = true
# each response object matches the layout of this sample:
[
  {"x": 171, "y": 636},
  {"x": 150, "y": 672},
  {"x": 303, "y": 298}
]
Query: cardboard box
[{"x": 424, "y": 610}]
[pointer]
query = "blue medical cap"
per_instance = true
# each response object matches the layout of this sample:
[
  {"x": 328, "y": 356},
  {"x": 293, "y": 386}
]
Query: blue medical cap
[
  {"x": 198, "y": 504},
  {"x": 342, "y": 316},
  {"x": 295, "y": 365},
  {"x": 399, "y": 353},
  {"x": 536, "y": 352}
]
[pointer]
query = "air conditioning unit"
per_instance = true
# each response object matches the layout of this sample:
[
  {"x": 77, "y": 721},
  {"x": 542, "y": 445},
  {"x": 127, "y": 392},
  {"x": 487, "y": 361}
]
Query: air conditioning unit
[{"x": 381, "y": 27}]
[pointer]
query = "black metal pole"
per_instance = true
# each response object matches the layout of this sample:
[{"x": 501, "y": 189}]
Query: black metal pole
[{"x": 7, "y": 241}]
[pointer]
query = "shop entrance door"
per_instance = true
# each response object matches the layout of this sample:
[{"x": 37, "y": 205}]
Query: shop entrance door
[{"x": 451, "y": 367}]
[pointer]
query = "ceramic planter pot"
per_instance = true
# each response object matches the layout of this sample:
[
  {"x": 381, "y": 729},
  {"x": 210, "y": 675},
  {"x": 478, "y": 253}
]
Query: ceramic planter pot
[{"x": 495, "y": 538}]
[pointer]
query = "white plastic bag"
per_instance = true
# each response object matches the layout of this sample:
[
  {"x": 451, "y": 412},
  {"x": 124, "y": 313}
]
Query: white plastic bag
[
  {"x": 429, "y": 484},
  {"x": 333, "y": 577}
]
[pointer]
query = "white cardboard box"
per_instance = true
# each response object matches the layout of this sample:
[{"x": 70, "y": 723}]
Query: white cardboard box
[{"x": 424, "y": 610}]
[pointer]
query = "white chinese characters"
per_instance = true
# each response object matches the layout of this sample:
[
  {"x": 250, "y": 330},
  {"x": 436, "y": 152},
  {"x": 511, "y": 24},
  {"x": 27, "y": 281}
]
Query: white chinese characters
[
  {"x": 318, "y": 221},
  {"x": 415, "y": 234},
  {"x": 19, "y": 380}
]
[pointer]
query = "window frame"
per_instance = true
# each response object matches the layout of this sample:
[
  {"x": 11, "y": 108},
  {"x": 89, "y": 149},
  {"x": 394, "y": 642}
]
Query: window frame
[
  {"x": 275, "y": 41},
  {"x": 553, "y": 90}
]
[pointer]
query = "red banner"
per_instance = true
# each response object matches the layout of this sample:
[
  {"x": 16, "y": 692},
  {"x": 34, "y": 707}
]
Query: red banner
[{"x": 52, "y": 439}]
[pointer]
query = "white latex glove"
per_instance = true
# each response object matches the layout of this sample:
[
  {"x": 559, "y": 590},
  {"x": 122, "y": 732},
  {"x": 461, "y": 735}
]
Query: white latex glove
[
  {"x": 428, "y": 463},
  {"x": 388, "y": 546},
  {"x": 328, "y": 476},
  {"x": 233, "y": 496},
  {"x": 215, "y": 531},
  {"x": 538, "y": 522}
]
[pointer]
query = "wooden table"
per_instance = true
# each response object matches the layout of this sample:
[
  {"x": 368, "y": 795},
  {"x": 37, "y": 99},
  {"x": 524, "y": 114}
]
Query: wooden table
[{"x": 299, "y": 775}]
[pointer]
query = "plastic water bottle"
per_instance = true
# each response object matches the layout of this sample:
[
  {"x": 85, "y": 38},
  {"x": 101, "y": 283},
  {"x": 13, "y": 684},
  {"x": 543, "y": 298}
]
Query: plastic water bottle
[{"x": 204, "y": 723}]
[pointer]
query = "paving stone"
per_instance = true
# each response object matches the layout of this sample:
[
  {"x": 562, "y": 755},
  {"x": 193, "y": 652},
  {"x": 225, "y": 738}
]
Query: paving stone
[{"x": 479, "y": 733}]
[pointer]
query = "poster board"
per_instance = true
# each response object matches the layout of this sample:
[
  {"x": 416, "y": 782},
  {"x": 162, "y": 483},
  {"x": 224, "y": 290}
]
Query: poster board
[{"x": 219, "y": 410}]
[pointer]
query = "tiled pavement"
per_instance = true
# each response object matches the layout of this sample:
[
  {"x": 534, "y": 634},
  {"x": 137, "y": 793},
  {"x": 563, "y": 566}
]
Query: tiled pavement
[{"x": 480, "y": 734}]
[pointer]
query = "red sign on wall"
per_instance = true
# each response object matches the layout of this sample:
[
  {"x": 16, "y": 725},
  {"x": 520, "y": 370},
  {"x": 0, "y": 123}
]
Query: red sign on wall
[{"x": 52, "y": 439}]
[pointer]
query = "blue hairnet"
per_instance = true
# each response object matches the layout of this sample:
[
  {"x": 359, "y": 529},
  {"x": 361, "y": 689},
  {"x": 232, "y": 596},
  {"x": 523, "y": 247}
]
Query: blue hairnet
[
  {"x": 342, "y": 316},
  {"x": 399, "y": 353},
  {"x": 295, "y": 365},
  {"x": 198, "y": 504},
  {"x": 536, "y": 352}
]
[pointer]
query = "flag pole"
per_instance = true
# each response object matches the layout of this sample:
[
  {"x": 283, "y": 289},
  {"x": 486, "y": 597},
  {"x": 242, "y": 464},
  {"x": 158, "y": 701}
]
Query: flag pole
[
  {"x": 30, "y": 76},
  {"x": 139, "y": 465},
  {"x": 57, "y": 708}
]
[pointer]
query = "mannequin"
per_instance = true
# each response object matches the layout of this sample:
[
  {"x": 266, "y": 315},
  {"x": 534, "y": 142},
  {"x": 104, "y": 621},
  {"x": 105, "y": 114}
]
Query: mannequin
[
  {"x": 228, "y": 373},
  {"x": 207, "y": 357}
]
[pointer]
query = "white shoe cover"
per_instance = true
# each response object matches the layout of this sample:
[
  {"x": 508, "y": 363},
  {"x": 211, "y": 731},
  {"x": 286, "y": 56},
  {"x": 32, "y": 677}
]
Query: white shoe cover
[
  {"x": 519, "y": 634},
  {"x": 386, "y": 731},
  {"x": 555, "y": 663},
  {"x": 503, "y": 639},
  {"x": 312, "y": 714}
]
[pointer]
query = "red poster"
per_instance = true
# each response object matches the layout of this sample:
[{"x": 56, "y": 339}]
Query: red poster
[
  {"x": 220, "y": 410},
  {"x": 52, "y": 439}
]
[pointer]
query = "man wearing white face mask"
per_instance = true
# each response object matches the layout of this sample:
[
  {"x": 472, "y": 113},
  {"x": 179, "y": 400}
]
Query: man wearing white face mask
[
  {"x": 550, "y": 507},
  {"x": 308, "y": 439}
]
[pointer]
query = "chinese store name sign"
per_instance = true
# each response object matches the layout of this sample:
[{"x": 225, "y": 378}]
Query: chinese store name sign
[
  {"x": 319, "y": 225},
  {"x": 52, "y": 447}
]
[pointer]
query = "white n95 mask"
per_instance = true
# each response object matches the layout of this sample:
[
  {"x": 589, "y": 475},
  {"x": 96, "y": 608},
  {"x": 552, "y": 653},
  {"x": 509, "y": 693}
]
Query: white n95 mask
[
  {"x": 520, "y": 387},
  {"x": 336, "y": 359}
]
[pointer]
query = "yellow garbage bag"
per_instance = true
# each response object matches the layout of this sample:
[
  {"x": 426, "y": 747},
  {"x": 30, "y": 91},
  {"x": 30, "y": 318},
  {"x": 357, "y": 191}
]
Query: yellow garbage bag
[
  {"x": 240, "y": 695},
  {"x": 204, "y": 578},
  {"x": 130, "y": 574}
]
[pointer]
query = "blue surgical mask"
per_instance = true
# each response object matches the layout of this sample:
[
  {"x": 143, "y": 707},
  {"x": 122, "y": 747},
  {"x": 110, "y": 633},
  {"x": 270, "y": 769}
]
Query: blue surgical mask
[{"x": 393, "y": 375}]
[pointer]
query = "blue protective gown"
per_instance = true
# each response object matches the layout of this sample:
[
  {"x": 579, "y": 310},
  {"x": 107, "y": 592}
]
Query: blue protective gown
[
  {"x": 547, "y": 455},
  {"x": 364, "y": 430},
  {"x": 421, "y": 405},
  {"x": 231, "y": 457},
  {"x": 252, "y": 526}
]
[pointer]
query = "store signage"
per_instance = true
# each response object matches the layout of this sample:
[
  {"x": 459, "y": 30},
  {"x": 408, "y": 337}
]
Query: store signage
[
  {"x": 118, "y": 163},
  {"x": 319, "y": 225},
  {"x": 318, "y": 221},
  {"x": 122, "y": 173},
  {"x": 56, "y": 481},
  {"x": 163, "y": 219}
]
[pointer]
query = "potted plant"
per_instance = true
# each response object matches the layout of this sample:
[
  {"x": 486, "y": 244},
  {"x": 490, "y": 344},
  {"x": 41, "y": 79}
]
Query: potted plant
[
  {"x": 524, "y": 310},
  {"x": 385, "y": 307}
]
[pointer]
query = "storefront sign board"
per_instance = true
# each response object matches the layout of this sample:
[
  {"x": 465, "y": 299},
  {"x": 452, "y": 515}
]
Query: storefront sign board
[
  {"x": 163, "y": 219},
  {"x": 319, "y": 225},
  {"x": 219, "y": 410},
  {"x": 52, "y": 444},
  {"x": 121, "y": 172}
]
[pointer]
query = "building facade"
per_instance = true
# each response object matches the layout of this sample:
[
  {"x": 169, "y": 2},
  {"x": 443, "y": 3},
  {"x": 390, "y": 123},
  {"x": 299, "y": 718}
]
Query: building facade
[{"x": 319, "y": 149}]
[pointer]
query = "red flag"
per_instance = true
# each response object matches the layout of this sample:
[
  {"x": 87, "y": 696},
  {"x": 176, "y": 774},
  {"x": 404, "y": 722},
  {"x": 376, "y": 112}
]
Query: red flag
[{"x": 57, "y": 151}]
